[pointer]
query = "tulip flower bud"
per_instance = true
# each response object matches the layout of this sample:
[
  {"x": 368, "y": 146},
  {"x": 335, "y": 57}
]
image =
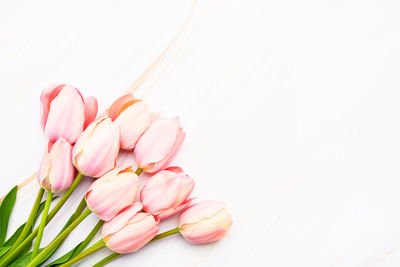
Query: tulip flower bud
[
  {"x": 205, "y": 222},
  {"x": 56, "y": 172},
  {"x": 159, "y": 144},
  {"x": 166, "y": 192},
  {"x": 129, "y": 230},
  {"x": 96, "y": 150},
  {"x": 64, "y": 112},
  {"x": 132, "y": 116},
  {"x": 113, "y": 192}
]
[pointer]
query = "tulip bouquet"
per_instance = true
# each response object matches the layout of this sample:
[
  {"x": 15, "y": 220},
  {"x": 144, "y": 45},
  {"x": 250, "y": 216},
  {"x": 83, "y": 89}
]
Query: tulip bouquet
[{"x": 83, "y": 144}]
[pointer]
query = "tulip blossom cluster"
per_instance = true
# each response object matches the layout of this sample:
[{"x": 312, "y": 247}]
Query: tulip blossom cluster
[
  {"x": 65, "y": 113},
  {"x": 82, "y": 144}
]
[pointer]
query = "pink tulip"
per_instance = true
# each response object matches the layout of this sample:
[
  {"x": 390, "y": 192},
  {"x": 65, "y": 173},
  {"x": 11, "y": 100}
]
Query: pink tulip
[
  {"x": 96, "y": 150},
  {"x": 166, "y": 192},
  {"x": 129, "y": 230},
  {"x": 64, "y": 112},
  {"x": 133, "y": 117},
  {"x": 159, "y": 144},
  {"x": 205, "y": 222},
  {"x": 113, "y": 192},
  {"x": 56, "y": 172}
]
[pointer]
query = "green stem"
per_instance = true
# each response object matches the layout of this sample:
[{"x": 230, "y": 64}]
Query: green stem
[
  {"x": 165, "y": 234},
  {"x": 138, "y": 171},
  {"x": 65, "y": 197},
  {"x": 38, "y": 259},
  {"x": 117, "y": 255},
  {"x": 95, "y": 247},
  {"x": 89, "y": 237},
  {"x": 31, "y": 219},
  {"x": 108, "y": 259},
  {"x": 35, "y": 250},
  {"x": 85, "y": 242},
  {"x": 12, "y": 254}
]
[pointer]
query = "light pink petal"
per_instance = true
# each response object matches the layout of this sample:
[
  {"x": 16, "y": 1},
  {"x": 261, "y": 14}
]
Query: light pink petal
[
  {"x": 96, "y": 151},
  {"x": 44, "y": 170},
  {"x": 62, "y": 170},
  {"x": 200, "y": 210},
  {"x": 133, "y": 236},
  {"x": 172, "y": 211},
  {"x": 170, "y": 156},
  {"x": 56, "y": 172},
  {"x": 133, "y": 122},
  {"x": 66, "y": 116},
  {"x": 210, "y": 227},
  {"x": 121, "y": 219},
  {"x": 160, "y": 192},
  {"x": 113, "y": 192},
  {"x": 202, "y": 238},
  {"x": 91, "y": 108},
  {"x": 186, "y": 187},
  {"x": 174, "y": 169},
  {"x": 155, "y": 116},
  {"x": 48, "y": 94},
  {"x": 157, "y": 141},
  {"x": 118, "y": 104}
]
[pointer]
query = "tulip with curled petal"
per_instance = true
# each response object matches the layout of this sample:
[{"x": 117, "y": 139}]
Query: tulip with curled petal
[
  {"x": 112, "y": 192},
  {"x": 167, "y": 192},
  {"x": 205, "y": 222},
  {"x": 130, "y": 230}
]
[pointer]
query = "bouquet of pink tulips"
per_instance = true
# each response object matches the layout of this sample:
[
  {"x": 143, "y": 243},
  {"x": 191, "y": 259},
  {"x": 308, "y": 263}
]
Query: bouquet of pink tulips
[{"x": 84, "y": 144}]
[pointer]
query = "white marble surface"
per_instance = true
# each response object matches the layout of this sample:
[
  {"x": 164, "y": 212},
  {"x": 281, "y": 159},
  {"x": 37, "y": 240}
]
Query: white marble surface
[{"x": 292, "y": 113}]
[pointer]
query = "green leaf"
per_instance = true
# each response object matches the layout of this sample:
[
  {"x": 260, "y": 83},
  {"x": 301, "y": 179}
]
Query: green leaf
[
  {"x": 14, "y": 237},
  {"x": 66, "y": 257},
  {"x": 4, "y": 250},
  {"x": 5, "y": 212},
  {"x": 23, "y": 261},
  {"x": 17, "y": 232},
  {"x": 25, "y": 257}
]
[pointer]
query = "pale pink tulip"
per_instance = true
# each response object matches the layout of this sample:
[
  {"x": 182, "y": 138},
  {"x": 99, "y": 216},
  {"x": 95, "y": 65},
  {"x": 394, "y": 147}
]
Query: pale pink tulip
[
  {"x": 56, "y": 172},
  {"x": 132, "y": 116},
  {"x": 205, "y": 222},
  {"x": 159, "y": 144},
  {"x": 64, "y": 112},
  {"x": 112, "y": 192},
  {"x": 129, "y": 230},
  {"x": 96, "y": 150},
  {"x": 166, "y": 192}
]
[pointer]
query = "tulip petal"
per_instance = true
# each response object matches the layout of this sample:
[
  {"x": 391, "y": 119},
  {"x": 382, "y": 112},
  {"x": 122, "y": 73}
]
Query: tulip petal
[
  {"x": 56, "y": 172},
  {"x": 157, "y": 146},
  {"x": 113, "y": 192},
  {"x": 96, "y": 151},
  {"x": 133, "y": 236},
  {"x": 133, "y": 122},
  {"x": 172, "y": 211},
  {"x": 115, "y": 108},
  {"x": 198, "y": 211},
  {"x": 160, "y": 192},
  {"x": 66, "y": 116},
  {"x": 170, "y": 156},
  {"x": 91, "y": 108},
  {"x": 62, "y": 169},
  {"x": 121, "y": 219},
  {"x": 48, "y": 94}
]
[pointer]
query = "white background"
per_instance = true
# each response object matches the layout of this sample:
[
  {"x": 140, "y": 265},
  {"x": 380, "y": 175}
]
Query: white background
[{"x": 291, "y": 108}]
